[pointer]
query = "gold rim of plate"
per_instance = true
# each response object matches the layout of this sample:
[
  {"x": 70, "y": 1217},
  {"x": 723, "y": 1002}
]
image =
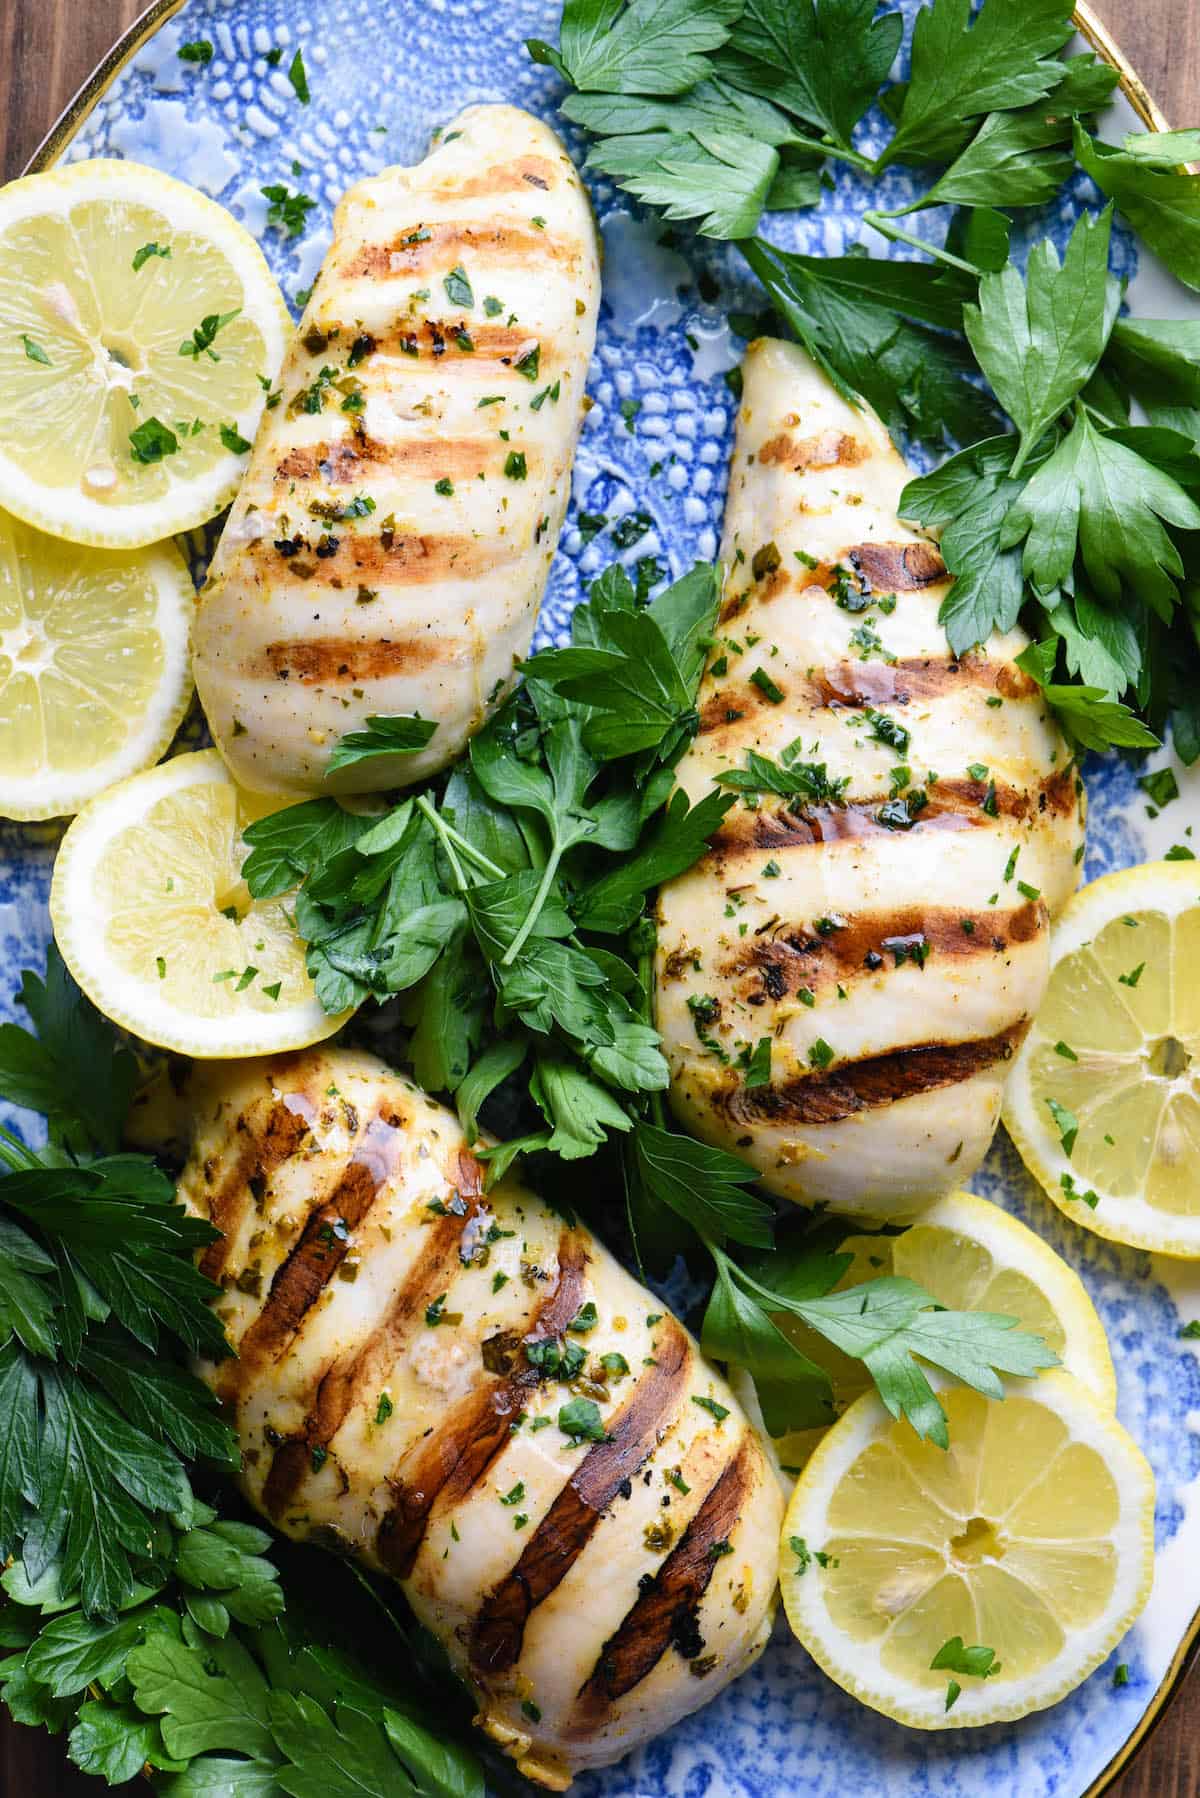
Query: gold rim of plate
[{"x": 76, "y": 114}]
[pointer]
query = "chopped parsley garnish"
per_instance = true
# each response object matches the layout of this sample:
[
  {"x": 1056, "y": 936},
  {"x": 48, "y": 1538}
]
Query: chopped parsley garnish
[
  {"x": 384, "y": 1408},
  {"x": 1133, "y": 976},
  {"x": 790, "y": 779},
  {"x": 435, "y": 1312},
  {"x": 233, "y": 440},
  {"x": 1066, "y": 1123},
  {"x": 445, "y": 486},
  {"x": 581, "y": 1421},
  {"x": 631, "y": 529},
  {"x": 766, "y": 686},
  {"x": 151, "y": 441},
  {"x": 299, "y": 79},
  {"x": 973, "y": 1663},
  {"x": 720, "y": 1412},
  {"x": 902, "y": 814},
  {"x": 515, "y": 1496},
  {"x": 35, "y": 352},
  {"x": 515, "y": 466},
  {"x": 197, "y": 50},
  {"x": 887, "y": 730},
  {"x": 141, "y": 257},
  {"x": 1065, "y": 1050},
  {"x": 529, "y": 361},
  {"x": 458, "y": 287},
  {"x": 629, "y": 411},
  {"x": 287, "y": 210},
  {"x": 1161, "y": 787},
  {"x": 201, "y": 340},
  {"x": 585, "y": 1319},
  {"x": 820, "y": 1054}
]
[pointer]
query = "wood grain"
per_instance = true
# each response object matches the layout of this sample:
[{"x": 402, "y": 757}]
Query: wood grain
[{"x": 47, "y": 50}]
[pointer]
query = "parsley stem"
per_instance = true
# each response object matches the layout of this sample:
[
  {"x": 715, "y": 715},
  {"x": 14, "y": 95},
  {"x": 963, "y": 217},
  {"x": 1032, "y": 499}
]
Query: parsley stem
[
  {"x": 645, "y": 970},
  {"x": 15, "y": 1152},
  {"x": 839, "y": 153},
  {"x": 450, "y": 836},
  {"x": 882, "y": 223},
  {"x": 534, "y": 912}
]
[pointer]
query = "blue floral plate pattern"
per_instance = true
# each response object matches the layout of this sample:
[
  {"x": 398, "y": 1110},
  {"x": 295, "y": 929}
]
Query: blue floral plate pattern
[{"x": 383, "y": 74}]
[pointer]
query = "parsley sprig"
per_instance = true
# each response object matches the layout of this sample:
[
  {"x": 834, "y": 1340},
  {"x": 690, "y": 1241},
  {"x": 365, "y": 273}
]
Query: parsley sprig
[
  {"x": 1085, "y": 528},
  {"x": 497, "y": 901},
  {"x": 97, "y": 1284}
]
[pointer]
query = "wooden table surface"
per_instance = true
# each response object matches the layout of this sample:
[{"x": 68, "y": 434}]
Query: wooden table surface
[{"x": 47, "y": 49}]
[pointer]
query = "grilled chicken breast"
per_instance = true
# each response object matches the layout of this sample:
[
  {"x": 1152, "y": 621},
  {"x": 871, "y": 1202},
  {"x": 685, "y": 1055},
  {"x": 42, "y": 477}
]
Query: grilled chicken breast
[
  {"x": 391, "y": 540},
  {"x": 407, "y": 1345},
  {"x": 884, "y": 924}
]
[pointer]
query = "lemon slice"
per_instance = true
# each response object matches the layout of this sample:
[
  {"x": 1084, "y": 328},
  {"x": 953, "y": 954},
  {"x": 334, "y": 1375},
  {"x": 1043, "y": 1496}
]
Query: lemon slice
[
  {"x": 94, "y": 671},
  {"x": 1103, "y": 1101},
  {"x": 137, "y": 319},
  {"x": 156, "y": 924},
  {"x": 1033, "y": 1535},
  {"x": 971, "y": 1256}
]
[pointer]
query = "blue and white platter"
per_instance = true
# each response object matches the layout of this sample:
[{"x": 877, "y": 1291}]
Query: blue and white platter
[{"x": 383, "y": 74}]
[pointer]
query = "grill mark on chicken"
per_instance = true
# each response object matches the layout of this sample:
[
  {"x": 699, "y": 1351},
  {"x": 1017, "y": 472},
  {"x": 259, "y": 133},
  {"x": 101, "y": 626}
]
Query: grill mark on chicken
[
  {"x": 951, "y": 805},
  {"x": 349, "y": 1376},
  {"x": 448, "y": 1463},
  {"x": 791, "y": 957},
  {"x": 852, "y": 684},
  {"x": 882, "y": 568},
  {"x": 666, "y": 1610},
  {"x": 832, "y": 449},
  {"x": 567, "y": 1528},
  {"x": 826, "y": 1097},
  {"x": 897, "y": 567},
  {"x": 303, "y": 1275},
  {"x": 266, "y": 1149},
  {"x": 502, "y": 178},
  {"x": 411, "y": 558},
  {"x": 329, "y": 659},
  {"x": 421, "y": 339},
  {"x": 427, "y": 248},
  {"x": 344, "y": 464}
]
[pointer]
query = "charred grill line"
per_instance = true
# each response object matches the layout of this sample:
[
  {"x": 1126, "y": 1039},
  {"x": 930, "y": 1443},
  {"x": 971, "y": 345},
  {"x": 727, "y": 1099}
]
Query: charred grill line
[
  {"x": 951, "y": 805},
  {"x": 282, "y": 1133},
  {"x": 826, "y": 1097},
  {"x": 449, "y": 1463},
  {"x": 853, "y": 684},
  {"x": 790, "y": 957},
  {"x": 418, "y": 248},
  {"x": 568, "y": 1526},
  {"x": 303, "y": 1276},
  {"x": 666, "y": 1609},
  {"x": 411, "y": 558},
  {"x": 345, "y": 463},
  {"x": 348, "y": 1376}
]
